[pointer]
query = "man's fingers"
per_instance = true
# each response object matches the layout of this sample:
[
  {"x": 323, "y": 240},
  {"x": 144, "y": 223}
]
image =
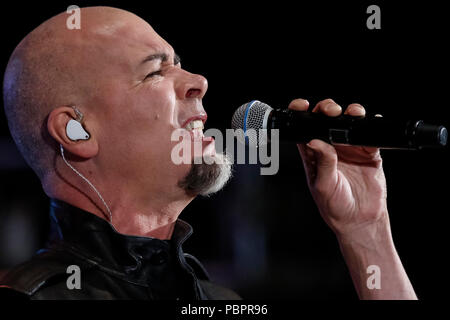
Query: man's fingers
[
  {"x": 325, "y": 165},
  {"x": 328, "y": 107},
  {"x": 319, "y": 158},
  {"x": 309, "y": 162},
  {"x": 355, "y": 109},
  {"x": 299, "y": 105}
]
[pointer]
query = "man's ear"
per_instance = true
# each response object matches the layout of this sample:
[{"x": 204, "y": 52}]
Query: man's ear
[{"x": 56, "y": 125}]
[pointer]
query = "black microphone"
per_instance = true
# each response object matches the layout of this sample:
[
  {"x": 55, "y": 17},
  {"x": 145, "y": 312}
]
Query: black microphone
[{"x": 303, "y": 126}]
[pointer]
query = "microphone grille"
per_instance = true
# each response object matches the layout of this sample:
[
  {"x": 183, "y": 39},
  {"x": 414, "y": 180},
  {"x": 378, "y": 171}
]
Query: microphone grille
[{"x": 249, "y": 116}]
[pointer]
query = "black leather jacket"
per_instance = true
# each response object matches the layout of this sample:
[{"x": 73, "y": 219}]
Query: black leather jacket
[{"x": 112, "y": 265}]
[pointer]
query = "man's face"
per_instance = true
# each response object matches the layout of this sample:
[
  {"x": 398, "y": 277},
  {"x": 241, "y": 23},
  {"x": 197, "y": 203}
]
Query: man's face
[{"x": 144, "y": 95}]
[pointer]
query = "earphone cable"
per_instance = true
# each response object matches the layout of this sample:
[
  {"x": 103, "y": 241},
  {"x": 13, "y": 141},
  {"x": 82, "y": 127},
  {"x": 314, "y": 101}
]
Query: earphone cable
[{"x": 87, "y": 181}]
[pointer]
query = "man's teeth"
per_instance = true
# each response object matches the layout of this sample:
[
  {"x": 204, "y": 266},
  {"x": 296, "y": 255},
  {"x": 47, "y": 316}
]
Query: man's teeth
[{"x": 195, "y": 124}]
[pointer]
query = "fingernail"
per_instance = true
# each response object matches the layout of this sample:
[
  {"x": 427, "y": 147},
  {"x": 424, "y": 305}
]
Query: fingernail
[
  {"x": 310, "y": 151},
  {"x": 310, "y": 145}
]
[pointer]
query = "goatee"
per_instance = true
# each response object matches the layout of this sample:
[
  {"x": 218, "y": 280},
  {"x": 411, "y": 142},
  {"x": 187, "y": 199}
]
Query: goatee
[{"x": 206, "y": 179}]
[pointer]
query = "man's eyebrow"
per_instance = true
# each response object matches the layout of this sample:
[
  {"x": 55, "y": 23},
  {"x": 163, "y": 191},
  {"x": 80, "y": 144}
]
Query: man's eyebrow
[{"x": 161, "y": 56}]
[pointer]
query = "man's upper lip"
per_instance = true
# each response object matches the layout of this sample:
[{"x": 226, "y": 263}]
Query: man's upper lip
[{"x": 200, "y": 116}]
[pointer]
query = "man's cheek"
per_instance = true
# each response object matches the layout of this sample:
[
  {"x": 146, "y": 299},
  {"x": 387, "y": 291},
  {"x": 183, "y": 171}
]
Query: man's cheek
[{"x": 182, "y": 148}]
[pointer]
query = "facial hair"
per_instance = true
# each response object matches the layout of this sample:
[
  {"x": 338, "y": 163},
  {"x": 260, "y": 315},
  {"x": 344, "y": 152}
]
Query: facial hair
[{"x": 206, "y": 179}]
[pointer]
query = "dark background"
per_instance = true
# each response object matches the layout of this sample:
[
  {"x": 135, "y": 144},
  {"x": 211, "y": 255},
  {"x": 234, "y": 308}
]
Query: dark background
[{"x": 262, "y": 235}]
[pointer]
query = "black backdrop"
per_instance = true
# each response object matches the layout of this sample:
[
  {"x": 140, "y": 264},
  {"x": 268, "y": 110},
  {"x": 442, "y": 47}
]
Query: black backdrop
[{"x": 262, "y": 235}]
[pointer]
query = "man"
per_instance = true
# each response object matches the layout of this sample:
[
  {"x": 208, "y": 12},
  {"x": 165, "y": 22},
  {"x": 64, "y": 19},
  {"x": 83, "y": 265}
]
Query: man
[{"x": 117, "y": 194}]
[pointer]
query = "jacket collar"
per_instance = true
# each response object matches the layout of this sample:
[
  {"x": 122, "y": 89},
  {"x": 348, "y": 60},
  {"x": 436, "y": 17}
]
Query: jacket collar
[{"x": 97, "y": 241}]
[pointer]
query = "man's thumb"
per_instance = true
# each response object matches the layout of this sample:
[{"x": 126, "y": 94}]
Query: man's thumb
[{"x": 326, "y": 165}]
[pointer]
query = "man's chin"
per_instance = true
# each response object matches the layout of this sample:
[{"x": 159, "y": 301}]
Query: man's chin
[{"x": 207, "y": 175}]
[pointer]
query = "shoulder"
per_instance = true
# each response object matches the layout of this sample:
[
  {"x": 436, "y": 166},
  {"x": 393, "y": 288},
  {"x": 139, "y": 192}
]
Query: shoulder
[{"x": 24, "y": 280}]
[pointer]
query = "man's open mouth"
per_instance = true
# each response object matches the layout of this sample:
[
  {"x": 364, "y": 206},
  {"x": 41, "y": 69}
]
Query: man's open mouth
[{"x": 195, "y": 127}]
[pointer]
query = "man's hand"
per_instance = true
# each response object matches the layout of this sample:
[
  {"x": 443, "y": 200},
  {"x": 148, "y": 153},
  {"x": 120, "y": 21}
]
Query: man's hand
[
  {"x": 347, "y": 183},
  {"x": 349, "y": 188}
]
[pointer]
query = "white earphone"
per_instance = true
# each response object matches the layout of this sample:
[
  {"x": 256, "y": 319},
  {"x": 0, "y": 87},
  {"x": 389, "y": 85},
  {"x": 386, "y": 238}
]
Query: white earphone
[{"x": 75, "y": 131}]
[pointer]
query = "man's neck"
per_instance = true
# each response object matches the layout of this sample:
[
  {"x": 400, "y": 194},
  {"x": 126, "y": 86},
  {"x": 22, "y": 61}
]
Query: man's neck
[
  {"x": 156, "y": 221},
  {"x": 156, "y": 218}
]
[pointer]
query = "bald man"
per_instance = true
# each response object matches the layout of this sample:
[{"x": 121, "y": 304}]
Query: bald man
[{"x": 116, "y": 194}]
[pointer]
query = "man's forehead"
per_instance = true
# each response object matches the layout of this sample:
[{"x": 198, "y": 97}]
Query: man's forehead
[
  {"x": 137, "y": 31},
  {"x": 146, "y": 39},
  {"x": 137, "y": 41}
]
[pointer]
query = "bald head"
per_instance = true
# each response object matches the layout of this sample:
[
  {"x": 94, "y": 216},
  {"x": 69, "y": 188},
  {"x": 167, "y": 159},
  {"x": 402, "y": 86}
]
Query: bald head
[{"x": 55, "y": 66}]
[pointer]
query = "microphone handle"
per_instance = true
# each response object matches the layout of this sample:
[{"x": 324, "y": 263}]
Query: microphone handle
[{"x": 370, "y": 131}]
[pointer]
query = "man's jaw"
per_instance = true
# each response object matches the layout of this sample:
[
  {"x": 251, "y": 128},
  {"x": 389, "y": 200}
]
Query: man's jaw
[
  {"x": 205, "y": 179},
  {"x": 209, "y": 171}
]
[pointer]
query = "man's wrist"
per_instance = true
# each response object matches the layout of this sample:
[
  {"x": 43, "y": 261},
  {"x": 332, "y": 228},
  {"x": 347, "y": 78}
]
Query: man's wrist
[
  {"x": 370, "y": 236},
  {"x": 370, "y": 254}
]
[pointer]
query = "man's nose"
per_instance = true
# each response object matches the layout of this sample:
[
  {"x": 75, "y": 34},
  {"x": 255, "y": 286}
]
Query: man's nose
[{"x": 191, "y": 85}]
